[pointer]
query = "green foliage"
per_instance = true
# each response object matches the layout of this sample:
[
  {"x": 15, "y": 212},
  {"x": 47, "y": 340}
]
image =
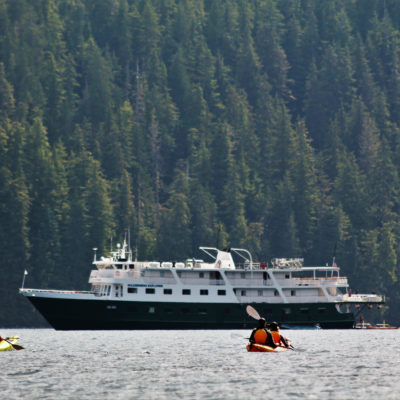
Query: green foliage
[{"x": 268, "y": 124}]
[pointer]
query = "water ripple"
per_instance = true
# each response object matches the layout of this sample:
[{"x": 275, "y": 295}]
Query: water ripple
[{"x": 199, "y": 365}]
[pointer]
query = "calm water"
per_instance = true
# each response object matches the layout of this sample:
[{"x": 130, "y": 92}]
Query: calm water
[{"x": 341, "y": 364}]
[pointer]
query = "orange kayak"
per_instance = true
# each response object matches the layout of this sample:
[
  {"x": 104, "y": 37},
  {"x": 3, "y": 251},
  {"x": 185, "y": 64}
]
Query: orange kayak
[{"x": 264, "y": 349}]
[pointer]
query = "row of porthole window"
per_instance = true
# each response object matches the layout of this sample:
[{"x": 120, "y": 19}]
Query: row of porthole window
[
  {"x": 201, "y": 311},
  {"x": 261, "y": 293},
  {"x": 186, "y": 292}
]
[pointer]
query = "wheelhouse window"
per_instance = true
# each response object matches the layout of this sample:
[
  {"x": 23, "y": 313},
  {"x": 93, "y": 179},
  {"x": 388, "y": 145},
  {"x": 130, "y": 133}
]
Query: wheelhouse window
[
  {"x": 201, "y": 274},
  {"x": 132, "y": 290},
  {"x": 150, "y": 291},
  {"x": 276, "y": 293},
  {"x": 243, "y": 293},
  {"x": 221, "y": 292},
  {"x": 293, "y": 293},
  {"x": 203, "y": 292},
  {"x": 167, "y": 291},
  {"x": 186, "y": 292}
]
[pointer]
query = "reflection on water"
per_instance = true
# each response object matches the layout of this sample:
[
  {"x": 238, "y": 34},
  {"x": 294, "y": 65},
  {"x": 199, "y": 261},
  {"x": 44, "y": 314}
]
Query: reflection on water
[{"x": 340, "y": 364}]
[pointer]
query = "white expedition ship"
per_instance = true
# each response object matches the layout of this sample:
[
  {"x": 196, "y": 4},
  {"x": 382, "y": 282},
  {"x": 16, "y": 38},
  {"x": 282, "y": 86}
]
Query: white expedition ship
[{"x": 128, "y": 294}]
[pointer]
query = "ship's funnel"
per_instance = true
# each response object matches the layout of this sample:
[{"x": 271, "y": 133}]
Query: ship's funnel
[{"x": 224, "y": 260}]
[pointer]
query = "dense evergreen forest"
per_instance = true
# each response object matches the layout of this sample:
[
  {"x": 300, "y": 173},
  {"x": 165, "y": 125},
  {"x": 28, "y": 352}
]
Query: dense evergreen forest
[{"x": 272, "y": 125}]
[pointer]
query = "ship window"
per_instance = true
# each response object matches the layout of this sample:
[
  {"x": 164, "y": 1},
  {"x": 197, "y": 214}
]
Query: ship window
[
  {"x": 132, "y": 290},
  {"x": 286, "y": 311},
  {"x": 131, "y": 266},
  {"x": 203, "y": 292},
  {"x": 221, "y": 292},
  {"x": 243, "y": 293},
  {"x": 287, "y": 276},
  {"x": 215, "y": 275},
  {"x": 276, "y": 293},
  {"x": 111, "y": 307},
  {"x": 293, "y": 293},
  {"x": 152, "y": 310},
  {"x": 260, "y": 292},
  {"x": 186, "y": 291},
  {"x": 150, "y": 291},
  {"x": 167, "y": 291},
  {"x": 108, "y": 290}
]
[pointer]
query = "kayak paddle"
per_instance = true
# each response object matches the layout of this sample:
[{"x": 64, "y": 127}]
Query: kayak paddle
[
  {"x": 15, "y": 346},
  {"x": 252, "y": 312}
]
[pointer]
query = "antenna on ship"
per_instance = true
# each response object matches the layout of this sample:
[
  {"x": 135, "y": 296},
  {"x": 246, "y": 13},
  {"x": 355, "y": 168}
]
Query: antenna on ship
[
  {"x": 129, "y": 242},
  {"x": 334, "y": 255},
  {"x": 94, "y": 249},
  {"x": 218, "y": 232},
  {"x": 23, "y": 279}
]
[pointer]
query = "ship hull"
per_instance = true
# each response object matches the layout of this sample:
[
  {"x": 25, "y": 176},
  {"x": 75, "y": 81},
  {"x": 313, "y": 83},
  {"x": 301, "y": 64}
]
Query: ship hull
[{"x": 79, "y": 314}]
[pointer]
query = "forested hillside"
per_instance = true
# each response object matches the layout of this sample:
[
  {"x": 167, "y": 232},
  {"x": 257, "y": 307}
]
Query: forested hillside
[{"x": 272, "y": 125}]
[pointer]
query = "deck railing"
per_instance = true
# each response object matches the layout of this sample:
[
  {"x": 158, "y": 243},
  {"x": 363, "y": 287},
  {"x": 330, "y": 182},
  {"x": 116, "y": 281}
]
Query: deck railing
[
  {"x": 56, "y": 291},
  {"x": 361, "y": 298}
]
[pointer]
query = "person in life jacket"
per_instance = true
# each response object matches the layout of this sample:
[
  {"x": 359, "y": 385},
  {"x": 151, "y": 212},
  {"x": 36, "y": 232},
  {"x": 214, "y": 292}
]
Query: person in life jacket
[
  {"x": 278, "y": 338},
  {"x": 262, "y": 334}
]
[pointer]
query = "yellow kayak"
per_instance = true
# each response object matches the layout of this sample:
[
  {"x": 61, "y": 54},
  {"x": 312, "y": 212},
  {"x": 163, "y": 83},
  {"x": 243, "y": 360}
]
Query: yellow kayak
[{"x": 5, "y": 346}]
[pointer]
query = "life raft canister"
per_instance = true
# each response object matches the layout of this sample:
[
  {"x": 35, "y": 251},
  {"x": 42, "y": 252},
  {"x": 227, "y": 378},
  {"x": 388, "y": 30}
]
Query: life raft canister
[{"x": 260, "y": 336}]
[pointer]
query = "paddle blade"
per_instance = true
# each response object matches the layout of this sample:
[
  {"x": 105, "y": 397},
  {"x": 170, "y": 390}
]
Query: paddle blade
[
  {"x": 15, "y": 346},
  {"x": 252, "y": 312}
]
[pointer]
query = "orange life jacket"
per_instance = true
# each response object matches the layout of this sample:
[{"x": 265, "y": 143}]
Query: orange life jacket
[
  {"x": 260, "y": 336},
  {"x": 276, "y": 336}
]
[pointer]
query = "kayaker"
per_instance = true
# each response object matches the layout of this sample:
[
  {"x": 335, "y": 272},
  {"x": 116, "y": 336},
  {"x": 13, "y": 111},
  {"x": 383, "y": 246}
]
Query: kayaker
[
  {"x": 262, "y": 334},
  {"x": 278, "y": 338}
]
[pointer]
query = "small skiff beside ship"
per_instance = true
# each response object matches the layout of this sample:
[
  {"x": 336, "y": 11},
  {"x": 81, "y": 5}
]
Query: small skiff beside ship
[{"x": 367, "y": 325}]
